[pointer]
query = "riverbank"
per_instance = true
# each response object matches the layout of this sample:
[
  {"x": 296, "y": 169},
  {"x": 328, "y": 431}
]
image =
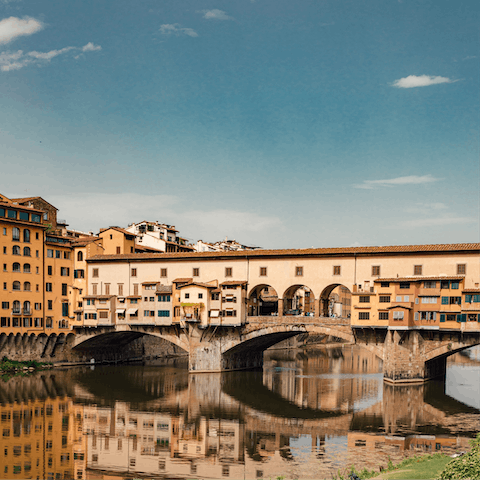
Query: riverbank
[{"x": 9, "y": 368}]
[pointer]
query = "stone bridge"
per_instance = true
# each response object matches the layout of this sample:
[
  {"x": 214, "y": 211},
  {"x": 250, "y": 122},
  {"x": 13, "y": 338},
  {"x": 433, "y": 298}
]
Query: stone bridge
[{"x": 408, "y": 355}]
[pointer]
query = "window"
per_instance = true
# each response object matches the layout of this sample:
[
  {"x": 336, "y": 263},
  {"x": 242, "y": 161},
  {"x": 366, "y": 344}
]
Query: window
[
  {"x": 64, "y": 309},
  {"x": 15, "y": 234},
  {"x": 364, "y": 299},
  {"x": 384, "y": 299},
  {"x": 383, "y": 315},
  {"x": 107, "y": 289},
  {"x": 375, "y": 270},
  {"x": 58, "y": 254},
  {"x": 336, "y": 269},
  {"x": 299, "y": 271},
  {"x": 215, "y": 296},
  {"x": 64, "y": 289},
  {"x": 79, "y": 274},
  {"x": 5, "y": 305},
  {"x": 49, "y": 306},
  {"x": 49, "y": 270},
  {"x": 228, "y": 272},
  {"x": 429, "y": 284},
  {"x": 64, "y": 271},
  {"x": 16, "y": 285},
  {"x": 263, "y": 271},
  {"x": 163, "y": 272},
  {"x": 404, "y": 285},
  {"x": 95, "y": 273},
  {"x": 417, "y": 269},
  {"x": 163, "y": 298},
  {"x": 94, "y": 289},
  {"x": 37, "y": 253},
  {"x": 4, "y": 267},
  {"x": 461, "y": 268},
  {"x": 38, "y": 306},
  {"x": 49, "y": 253},
  {"x": 80, "y": 256},
  {"x": 398, "y": 315},
  {"x": 196, "y": 272},
  {"x": 364, "y": 315},
  {"x": 163, "y": 313},
  {"x": 16, "y": 307},
  {"x": 16, "y": 267},
  {"x": 15, "y": 250},
  {"x": 120, "y": 289},
  {"x": 454, "y": 285},
  {"x": 26, "y": 252},
  {"x": 103, "y": 314},
  {"x": 26, "y": 235},
  {"x": 135, "y": 288},
  {"x": 187, "y": 295},
  {"x": 429, "y": 299},
  {"x": 118, "y": 250},
  {"x": 27, "y": 287},
  {"x": 134, "y": 272},
  {"x": 200, "y": 295}
]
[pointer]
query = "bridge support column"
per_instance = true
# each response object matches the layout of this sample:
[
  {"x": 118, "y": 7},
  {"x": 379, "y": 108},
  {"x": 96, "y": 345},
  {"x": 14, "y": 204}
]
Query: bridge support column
[{"x": 404, "y": 358}]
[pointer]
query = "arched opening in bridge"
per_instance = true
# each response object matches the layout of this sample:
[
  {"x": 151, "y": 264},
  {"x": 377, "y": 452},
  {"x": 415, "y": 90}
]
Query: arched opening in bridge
[
  {"x": 263, "y": 300},
  {"x": 336, "y": 301},
  {"x": 298, "y": 300}
]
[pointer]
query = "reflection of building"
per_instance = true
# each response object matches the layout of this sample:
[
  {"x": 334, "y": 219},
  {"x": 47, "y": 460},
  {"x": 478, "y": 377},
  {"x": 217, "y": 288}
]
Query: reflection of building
[{"x": 42, "y": 439}]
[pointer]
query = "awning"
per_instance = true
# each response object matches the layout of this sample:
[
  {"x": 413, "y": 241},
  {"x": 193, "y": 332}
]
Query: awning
[
  {"x": 121, "y": 311},
  {"x": 214, "y": 313},
  {"x": 132, "y": 311}
]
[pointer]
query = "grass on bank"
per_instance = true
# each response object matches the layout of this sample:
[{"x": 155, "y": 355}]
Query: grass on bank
[{"x": 9, "y": 368}]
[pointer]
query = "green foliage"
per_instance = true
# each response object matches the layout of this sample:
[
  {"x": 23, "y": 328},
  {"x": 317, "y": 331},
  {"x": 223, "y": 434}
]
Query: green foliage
[
  {"x": 7, "y": 365},
  {"x": 465, "y": 467}
]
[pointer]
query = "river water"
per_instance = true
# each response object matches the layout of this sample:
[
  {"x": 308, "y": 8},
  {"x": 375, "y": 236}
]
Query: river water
[{"x": 308, "y": 414}]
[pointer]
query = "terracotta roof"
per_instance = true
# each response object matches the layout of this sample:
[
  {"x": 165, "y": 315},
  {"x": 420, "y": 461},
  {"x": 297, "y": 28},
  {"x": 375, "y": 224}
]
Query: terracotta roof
[
  {"x": 29, "y": 199},
  {"x": 419, "y": 279},
  {"x": 153, "y": 282},
  {"x": 346, "y": 251},
  {"x": 471, "y": 290},
  {"x": 118, "y": 229},
  {"x": 147, "y": 249},
  {"x": 234, "y": 282},
  {"x": 199, "y": 284},
  {"x": 164, "y": 289},
  {"x": 134, "y": 296},
  {"x": 182, "y": 280}
]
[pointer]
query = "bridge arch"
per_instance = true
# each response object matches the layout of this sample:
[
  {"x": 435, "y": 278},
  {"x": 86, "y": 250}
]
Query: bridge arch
[
  {"x": 298, "y": 299},
  {"x": 262, "y": 300},
  {"x": 335, "y": 301}
]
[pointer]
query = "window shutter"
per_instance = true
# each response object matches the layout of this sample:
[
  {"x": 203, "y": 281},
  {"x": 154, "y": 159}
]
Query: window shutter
[
  {"x": 444, "y": 300},
  {"x": 416, "y": 315},
  {"x": 442, "y": 317}
]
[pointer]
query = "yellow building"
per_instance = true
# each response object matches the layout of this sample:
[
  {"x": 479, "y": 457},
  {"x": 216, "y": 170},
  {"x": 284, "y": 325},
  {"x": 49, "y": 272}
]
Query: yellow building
[{"x": 22, "y": 249}]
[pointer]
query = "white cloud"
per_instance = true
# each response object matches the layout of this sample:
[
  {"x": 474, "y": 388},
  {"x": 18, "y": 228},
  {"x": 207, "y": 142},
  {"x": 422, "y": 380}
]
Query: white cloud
[
  {"x": 408, "y": 180},
  {"x": 215, "y": 14},
  {"x": 13, "y": 27},
  {"x": 120, "y": 209},
  {"x": 413, "y": 81},
  {"x": 90, "y": 47},
  {"x": 470, "y": 57},
  {"x": 176, "y": 29},
  {"x": 15, "y": 60}
]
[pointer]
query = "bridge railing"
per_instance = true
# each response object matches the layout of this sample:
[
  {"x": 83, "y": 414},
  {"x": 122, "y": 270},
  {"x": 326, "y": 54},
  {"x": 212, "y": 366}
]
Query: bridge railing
[{"x": 299, "y": 319}]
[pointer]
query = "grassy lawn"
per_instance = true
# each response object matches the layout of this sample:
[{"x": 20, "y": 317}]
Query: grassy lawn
[{"x": 427, "y": 468}]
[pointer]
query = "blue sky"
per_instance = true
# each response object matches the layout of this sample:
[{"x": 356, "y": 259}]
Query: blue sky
[{"x": 282, "y": 124}]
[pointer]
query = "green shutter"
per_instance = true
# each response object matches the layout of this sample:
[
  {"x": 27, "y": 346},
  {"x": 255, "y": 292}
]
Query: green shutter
[
  {"x": 454, "y": 285},
  {"x": 468, "y": 299},
  {"x": 442, "y": 317},
  {"x": 461, "y": 317},
  {"x": 444, "y": 300}
]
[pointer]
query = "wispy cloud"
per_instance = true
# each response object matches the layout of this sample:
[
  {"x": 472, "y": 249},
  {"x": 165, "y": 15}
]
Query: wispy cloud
[
  {"x": 413, "y": 81},
  {"x": 10, "y": 61},
  {"x": 436, "y": 222},
  {"x": 427, "y": 208},
  {"x": 392, "y": 182},
  {"x": 470, "y": 57},
  {"x": 176, "y": 29},
  {"x": 329, "y": 24},
  {"x": 13, "y": 27},
  {"x": 215, "y": 14}
]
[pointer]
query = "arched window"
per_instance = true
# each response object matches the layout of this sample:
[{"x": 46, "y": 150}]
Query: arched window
[
  {"x": 26, "y": 235},
  {"x": 26, "y": 308},
  {"x": 26, "y": 252},
  {"x": 79, "y": 256},
  {"x": 16, "y": 267},
  {"x": 16, "y": 307},
  {"x": 16, "y": 285},
  {"x": 15, "y": 233},
  {"x": 26, "y": 268},
  {"x": 26, "y": 286},
  {"x": 16, "y": 250}
]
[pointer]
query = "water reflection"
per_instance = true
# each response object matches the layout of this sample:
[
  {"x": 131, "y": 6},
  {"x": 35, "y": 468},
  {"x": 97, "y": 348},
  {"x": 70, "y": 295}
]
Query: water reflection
[{"x": 305, "y": 416}]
